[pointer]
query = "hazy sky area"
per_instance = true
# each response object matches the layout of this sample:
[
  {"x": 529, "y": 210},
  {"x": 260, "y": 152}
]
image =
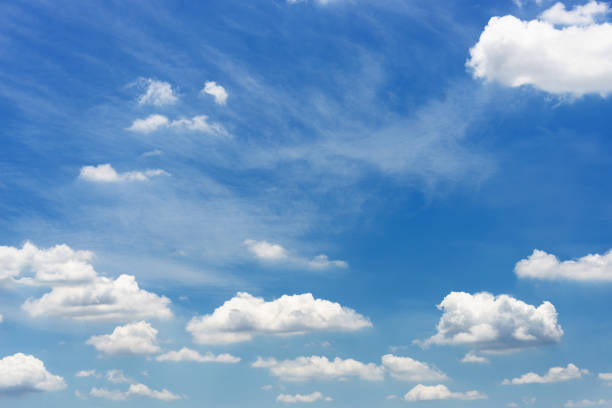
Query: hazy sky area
[{"x": 315, "y": 203}]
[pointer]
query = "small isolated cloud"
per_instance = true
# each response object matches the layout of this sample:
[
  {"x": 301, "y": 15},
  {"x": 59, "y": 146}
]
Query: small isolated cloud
[
  {"x": 77, "y": 291},
  {"x": 117, "y": 377},
  {"x": 574, "y": 59},
  {"x": 135, "y": 390},
  {"x": 494, "y": 323},
  {"x": 198, "y": 123},
  {"x": 588, "y": 403},
  {"x": 186, "y": 354},
  {"x": 605, "y": 377},
  {"x": 158, "y": 93},
  {"x": 135, "y": 338},
  {"x": 220, "y": 94},
  {"x": 267, "y": 251},
  {"x": 472, "y": 357},
  {"x": 244, "y": 316},
  {"x": 87, "y": 373},
  {"x": 439, "y": 392},
  {"x": 408, "y": 369},
  {"x": 267, "y": 387},
  {"x": 320, "y": 368},
  {"x": 585, "y": 14},
  {"x": 589, "y": 268},
  {"x": 292, "y": 399},
  {"x": 555, "y": 374},
  {"x": 24, "y": 373},
  {"x": 105, "y": 173}
]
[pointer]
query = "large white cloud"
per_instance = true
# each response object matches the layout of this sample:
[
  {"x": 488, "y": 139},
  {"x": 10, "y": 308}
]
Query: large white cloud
[
  {"x": 186, "y": 354},
  {"x": 542, "y": 265},
  {"x": 268, "y": 251},
  {"x": 292, "y": 399},
  {"x": 244, "y": 316},
  {"x": 105, "y": 173},
  {"x": 22, "y": 373},
  {"x": 555, "y": 374},
  {"x": 439, "y": 392},
  {"x": 217, "y": 91},
  {"x": 408, "y": 369},
  {"x": 135, "y": 390},
  {"x": 321, "y": 368},
  {"x": 77, "y": 291},
  {"x": 135, "y": 338},
  {"x": 495, "y": 323},
  {"x": 585, "y": 14},
  {"x": 575, "y": 59},
  {"x": 158, "y": 93}
]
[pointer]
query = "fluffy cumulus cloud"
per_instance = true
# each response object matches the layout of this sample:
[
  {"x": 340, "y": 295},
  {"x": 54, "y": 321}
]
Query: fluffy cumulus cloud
[
  {"x": 245, "y": 316},
  {"x": 439, "y": 392},
  {"x": 198, "y": 123},
  {"x": 494, "y": 323},
  {"x": 320, "y": 368},
  {"x": 585, "y": 403},
  {"x": 267, "y": 251},
  {"x": 186, "y": 354},
  {"x": 217, "y": 91},
  {"x": 472, "y": 357},
  {"x": 23, "y": 373},
  {"x": 574, "y": 58},
  {"x": 134, "y": 338},
  {"x": 77, "y": 291},
  {"x": 117, "y": 377},
  {"x": 158, "y": 93},
  {"x": 86, "y": 373},
  {"x": 105, "y": 173},
  {"x": 135, "y": 390},
  {"x": 408, "y": 369},
  {"x": 555, "y": 374},
  {"x": 292, "y": 399},
  {"x": 542, "y": 265}
]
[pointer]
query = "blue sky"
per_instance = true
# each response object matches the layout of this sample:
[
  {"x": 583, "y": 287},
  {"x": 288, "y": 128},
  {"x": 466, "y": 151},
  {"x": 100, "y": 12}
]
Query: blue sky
[{"x": 340, "y": 203}]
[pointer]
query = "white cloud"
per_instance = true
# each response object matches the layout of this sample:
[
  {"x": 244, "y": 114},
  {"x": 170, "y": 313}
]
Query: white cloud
[
  {"x": 186, "y": 354},
  {"x": 23, "y": 373},
  {"x": 588, "y": 403},
  {"x": 198, "y": 123},
  {"x": 87, "y": 373},
  {"x": 542, "y": 265},
  {"x": 268, "y": 251},
  {"x": 605, "y": 377},
  {"x": 292, "y": 399},
  {"x": 220, "y": 94},
  {"x": 320, "y": 368},
  {"x": 585, "y": 14},
  {"x": 407, "y": 369},
  {"x": 117, "y": 377},
  {"x": 134, "y": 338},
  {"x": 574, "y": 60},
  {"x": 244, "y": 316},
  {"x": 494, "y": 323},
  {"x": 105, "y": 173},
  {"x": 158, "y": 93},
  {"x": 136, "y": 390},
  {"x": 77, "y": 291},
  {"x": 555, "y": 374},
  {"x": 267, "y": 387},
  {"x": 472, "y": 357},
  {"x": 439, "y": 392},
  {"x": 150, "y": 124}
]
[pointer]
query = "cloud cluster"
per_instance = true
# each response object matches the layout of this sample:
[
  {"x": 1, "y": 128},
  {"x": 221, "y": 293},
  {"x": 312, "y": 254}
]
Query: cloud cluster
[
  {"x": 23, "y": 373},
  {"x": 186, "y": 354},
  {"x": 440, "y": 392},
  {"x": 542, "y": 265},
  {"x": 494, "y": 323},
  {"x": 244, "y": 316},
  {"x": 267, "y": 251},
  {"x": 574, "y": 59},
  {"x": 135, "y": 390},
  {"x": 198, "y": 123},
  {"x": 408, "y": 369},
  {"x": 105, "y": 173},
  {"x": 138, "y": 338},
  {"x": 316, "y": 367},
  {"x": 158, "y": 93},
  {"x": 219, "y": 93},
  {"x": 555, "y": 374},
  {"x": 77, "y": 291},
  {"x": 292, "y": 399}
]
